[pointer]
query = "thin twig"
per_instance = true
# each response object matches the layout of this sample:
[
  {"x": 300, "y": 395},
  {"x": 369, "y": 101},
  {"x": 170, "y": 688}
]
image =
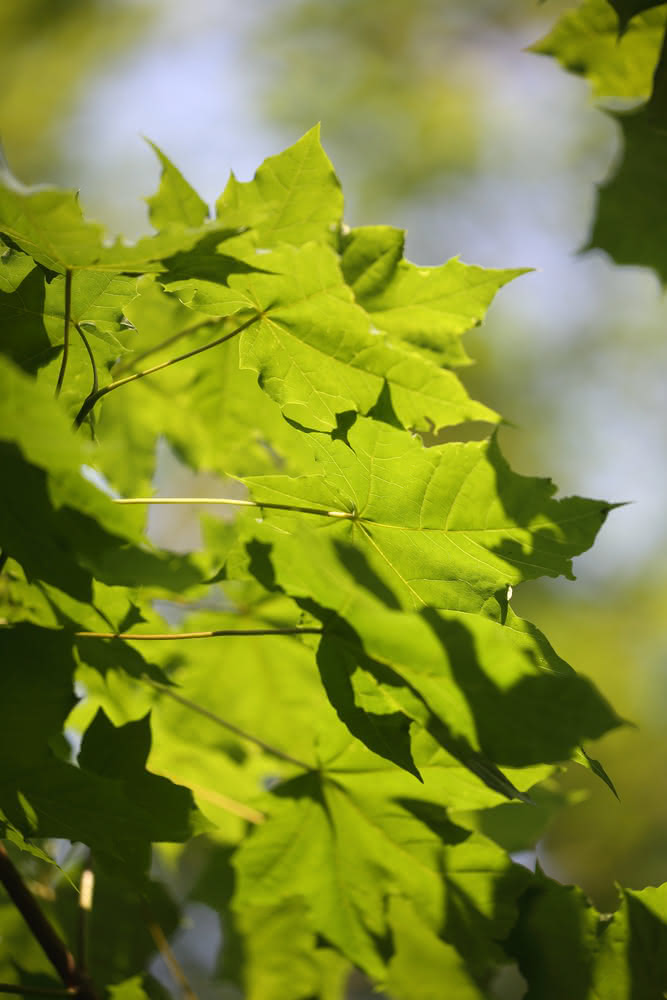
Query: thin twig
[
  {"x": 274, "y": 751},
  {"x": 214, "y": 633},
  {"x": 346, "y": 515},
  {"x": 123, "y": 366},
  {"x": 4, "y": 556},
  {"x": 170, "y": 960},
  {"x": 51, "y": 944},
  {"x": 68, "y": 310},
  {"x": 91, "y": 400}
]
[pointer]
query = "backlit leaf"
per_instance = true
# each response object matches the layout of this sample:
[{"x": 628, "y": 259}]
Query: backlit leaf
[
  {"x": 449, "y": 526},
  {"x": 426, "y": 308},
  {"x": 585, "y": 41},
  {"x": 176, "y": 202}
]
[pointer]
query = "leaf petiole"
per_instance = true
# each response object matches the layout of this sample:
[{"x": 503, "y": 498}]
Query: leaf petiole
[
  {"x": 296, "y": 630},
  {"x": 346, "y": 515},
  {"x": 123, "y": 366},
  {"x": 93, "y": 398},
  {"x": 68, "y": 311},
  {"x": 91, "y": 358}
]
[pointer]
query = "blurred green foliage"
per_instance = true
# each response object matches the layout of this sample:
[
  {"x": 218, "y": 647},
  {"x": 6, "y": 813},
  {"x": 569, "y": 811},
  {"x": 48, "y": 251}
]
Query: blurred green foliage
[
  {"x": 49, "y": 50},
  {"x": 400, "y": 88}
]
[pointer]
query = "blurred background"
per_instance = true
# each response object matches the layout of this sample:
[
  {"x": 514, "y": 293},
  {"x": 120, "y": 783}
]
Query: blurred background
[{"x": 437, "y": 121}]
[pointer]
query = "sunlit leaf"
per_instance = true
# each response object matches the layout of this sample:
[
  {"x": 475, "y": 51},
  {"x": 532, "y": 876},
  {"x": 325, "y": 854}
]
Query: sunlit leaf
[
  {"x": 426, "y": 308},
  {"x": 295, "y": 196},
  {"x": 449, "y": 526},
  {"x": 175, "y": 202},
  {"x": 585, "y": 41},
  {"x": 315, "y": 350}
]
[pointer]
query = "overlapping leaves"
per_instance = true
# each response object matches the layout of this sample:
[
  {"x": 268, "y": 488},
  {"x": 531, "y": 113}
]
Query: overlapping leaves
[
  {"x": 44, "y": 795},
  {"x": 449, "y": 526},
  {"x": 421, "y": 697},
  {"x": 621, "y": 51}
]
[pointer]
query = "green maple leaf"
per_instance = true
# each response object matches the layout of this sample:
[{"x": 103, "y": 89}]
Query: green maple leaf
[
  {"x": 53, "y": 521},
  {"x": 197, "y": 750},
  {"x": 585, "y": 41},
  {"x": 279, "y": 953},
  {"x": 33, "y": 318},
  {"x": 120, "y": 754},
  {"x": 423, "y": 962},
  {"x": 630, "y": 223},
  {"x": 48, "y": 224},
  {"x": 226, "y": 772},
  {"x": 427, "y": 308},
  {"x": 43, "y": 796},
  {"x": 498, "y": 688},
  {"x": 294, "y": 197},
  {"x": 175, "y": 203},
  {"x": 449, "y": 526},
  {"x": 344, "y": 847},
  {"x": 315, "y": 351},
  {"x": 225, "y": 423},
  {"x": 631, "y": 219},
  {"x": 14, "y": 267},
  {"x": 271, "y": 952}
]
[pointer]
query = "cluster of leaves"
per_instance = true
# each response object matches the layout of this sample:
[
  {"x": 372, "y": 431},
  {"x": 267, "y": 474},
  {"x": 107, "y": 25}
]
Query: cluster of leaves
[
  {"x": 620, "y": 46},
  {"x": 359, "y": 729}
]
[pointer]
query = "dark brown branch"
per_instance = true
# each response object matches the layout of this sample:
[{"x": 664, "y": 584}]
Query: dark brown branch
[{"x": 49, "y": 941}]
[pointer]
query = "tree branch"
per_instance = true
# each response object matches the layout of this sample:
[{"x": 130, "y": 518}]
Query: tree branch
[{"x": 51, "y": 944}]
